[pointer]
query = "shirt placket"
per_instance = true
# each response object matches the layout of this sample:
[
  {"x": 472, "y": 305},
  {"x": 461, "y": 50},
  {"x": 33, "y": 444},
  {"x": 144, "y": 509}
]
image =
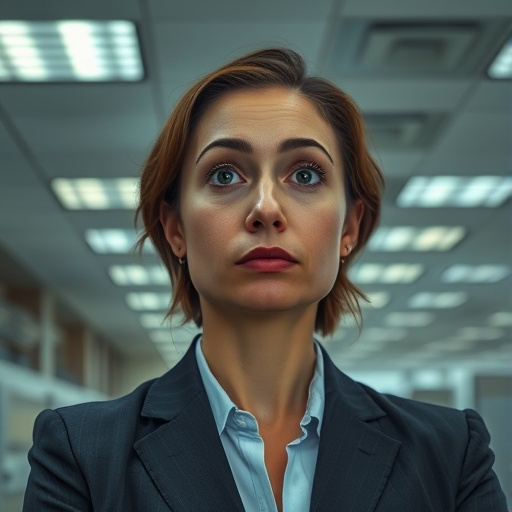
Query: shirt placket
[{"x": 252, "y": 449}]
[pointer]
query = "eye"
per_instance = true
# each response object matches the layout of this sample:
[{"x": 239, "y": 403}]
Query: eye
[
  {"x": 308, "y": 174},
  {"x": 222, "y": 175}
]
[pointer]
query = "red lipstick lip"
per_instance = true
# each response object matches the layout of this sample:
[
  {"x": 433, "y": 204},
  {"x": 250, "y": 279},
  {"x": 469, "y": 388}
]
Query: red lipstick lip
[{"x": 266, "y": 253}]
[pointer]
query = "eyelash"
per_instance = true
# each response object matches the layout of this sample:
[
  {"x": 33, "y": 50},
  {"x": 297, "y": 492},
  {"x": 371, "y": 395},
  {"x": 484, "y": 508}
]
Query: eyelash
[
  {"x": 302, "y": 165},
  {"x": 218, "y": 167},
  {"x": 311, "y": 166}
]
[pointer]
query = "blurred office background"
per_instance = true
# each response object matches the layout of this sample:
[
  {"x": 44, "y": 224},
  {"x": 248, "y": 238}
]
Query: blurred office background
[{"x": 84, "y": 88}]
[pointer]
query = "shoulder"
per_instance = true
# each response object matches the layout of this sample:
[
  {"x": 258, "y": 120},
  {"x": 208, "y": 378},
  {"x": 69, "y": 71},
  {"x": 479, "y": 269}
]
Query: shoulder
[
  {"x": 116, "y": 409},
  {"x": 411, "y": 420},
  {"x": 405, "y": 409},
  {"x": 447, "y": 448},
  {"x": 446, "y": 440},
  {"x": 99, "y": 424}
]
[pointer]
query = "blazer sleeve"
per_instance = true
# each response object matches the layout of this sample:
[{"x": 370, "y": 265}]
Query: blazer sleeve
[
  {"x": 479, "y": 488},
  {"x": 56, "y": 482}
]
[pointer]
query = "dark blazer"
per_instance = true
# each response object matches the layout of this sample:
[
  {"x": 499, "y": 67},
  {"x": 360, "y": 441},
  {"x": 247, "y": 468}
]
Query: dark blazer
[{"x": 157, "y": 449}]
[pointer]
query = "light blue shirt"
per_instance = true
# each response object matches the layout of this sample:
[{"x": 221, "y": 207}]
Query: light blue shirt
[{"x": 239, "y": 434}]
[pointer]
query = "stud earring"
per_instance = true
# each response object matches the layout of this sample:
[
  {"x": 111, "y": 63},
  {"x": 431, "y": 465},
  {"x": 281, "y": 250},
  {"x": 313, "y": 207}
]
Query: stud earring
[{"x": 182, "y": 261}]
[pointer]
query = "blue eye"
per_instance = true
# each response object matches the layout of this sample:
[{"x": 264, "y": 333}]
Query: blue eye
[
  {"x": 223, "y": 175},
  {"x": 308, "y": 175}
]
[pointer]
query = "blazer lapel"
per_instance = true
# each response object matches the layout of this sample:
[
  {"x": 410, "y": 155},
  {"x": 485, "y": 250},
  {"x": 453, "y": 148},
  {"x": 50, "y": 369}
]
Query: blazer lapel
[
  {"x": 354, "y": 458},
  {"x": 184, "y": 456}
]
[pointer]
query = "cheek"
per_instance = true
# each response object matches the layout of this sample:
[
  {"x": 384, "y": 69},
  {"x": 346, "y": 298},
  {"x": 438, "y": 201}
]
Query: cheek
[
  {"x": 208, "y": 230},
  {"x": 325, "y": 231},
  {"x": 324, "y": 243}
]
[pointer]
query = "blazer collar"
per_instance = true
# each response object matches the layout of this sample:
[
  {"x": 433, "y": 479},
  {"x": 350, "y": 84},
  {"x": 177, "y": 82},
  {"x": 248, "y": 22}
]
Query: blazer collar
[
  {"x": 185, "y": 456},
  {"x": 355, "y": 457},
  {"x": 188, "y": 464}
]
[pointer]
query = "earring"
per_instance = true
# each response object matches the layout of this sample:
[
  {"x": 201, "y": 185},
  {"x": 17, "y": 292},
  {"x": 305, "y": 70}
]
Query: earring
[{"x": 181, "y": 260}]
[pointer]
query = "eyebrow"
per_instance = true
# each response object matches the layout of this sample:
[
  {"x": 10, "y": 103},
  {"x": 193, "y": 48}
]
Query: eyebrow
[{"x": 245, "y": 147}]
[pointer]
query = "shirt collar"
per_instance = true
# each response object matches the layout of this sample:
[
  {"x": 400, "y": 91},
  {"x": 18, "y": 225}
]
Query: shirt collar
[{"x": 222, "y": 405}]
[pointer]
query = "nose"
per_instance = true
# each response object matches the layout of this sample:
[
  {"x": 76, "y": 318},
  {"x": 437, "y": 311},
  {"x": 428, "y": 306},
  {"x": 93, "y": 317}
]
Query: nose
[{"x": 265, "y": 210}]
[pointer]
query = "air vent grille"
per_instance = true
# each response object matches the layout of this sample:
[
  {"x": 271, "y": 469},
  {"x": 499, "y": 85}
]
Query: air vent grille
[
  {"x": 402, "y": 131},
  {"x": 410, "y": 48},
  {"x": 415, "y": 47}
]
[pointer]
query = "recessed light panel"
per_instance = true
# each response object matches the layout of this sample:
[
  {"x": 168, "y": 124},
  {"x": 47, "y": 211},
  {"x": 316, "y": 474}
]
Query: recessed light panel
[
  {"x": 501, "y": 319},
  {"x": 148, "y": 301},
  {"x": 443, "y": 300},
  {"x": 409, "y": 319},
  {"x": 401, "y": 273},
  {"x": 475, "y": 273},
  {"x": 480, "y": 333},
  {"x": 69, "y": 51},
  {"x": 154, "y": 320},
  {"x": 455, "y": 191},
  {"x": 409, "y": 238},
  {"x": 138, "y": 275},
  {"x": 178, "y": 337},
  {"x": 377, "y": 300},
  {"x": 114, "y": 241},
  {"x": 373, "y": 335},
  {"x": 501, "y": 66},
  {"x": 161, "y": 337},
  {"x": 95, "y": 193}
]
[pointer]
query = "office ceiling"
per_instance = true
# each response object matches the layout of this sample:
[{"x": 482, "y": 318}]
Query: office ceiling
[{"x": 416, "y": 69}]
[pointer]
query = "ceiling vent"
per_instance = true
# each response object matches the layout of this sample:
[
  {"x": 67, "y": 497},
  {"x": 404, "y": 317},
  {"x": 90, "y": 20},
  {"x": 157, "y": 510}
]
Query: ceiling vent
[
  {"x": 402, "y": 131},
  {"x": 362, "y": 48},
  {"x": 430, "y": 48}
]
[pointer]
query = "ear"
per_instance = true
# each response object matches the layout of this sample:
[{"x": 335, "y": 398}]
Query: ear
[
  {"x": 350, "y": 232},
  {"x": 173, "y": 230}
]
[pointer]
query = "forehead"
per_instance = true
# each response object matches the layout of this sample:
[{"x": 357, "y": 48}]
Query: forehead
[{"x": 264, "y": 115}]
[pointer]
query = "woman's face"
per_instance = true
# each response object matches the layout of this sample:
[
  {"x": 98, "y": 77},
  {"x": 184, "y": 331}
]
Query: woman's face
[{"x": 263, "y": 172}]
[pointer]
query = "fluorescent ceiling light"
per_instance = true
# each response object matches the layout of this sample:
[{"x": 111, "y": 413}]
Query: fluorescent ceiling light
[
  {"x": 160, "y": 321},
  {"x": 501, "y": 319},
  {"x": 178, "y": 337},
  {"x": 455, "y": 191},
  {"x": 409, "y": 238},
  {"x": 95, "y": 193},
  {"x": 138, "y": 275},
  {"x": 479, "y": 333},
  {"x": 387, "y": 274},
  {"x": 428, "y": 379},
  {"x": 448, "y": 345},
  {"x": 69, "y": 51},
  {"x": 160, "y": 337},
  {"x": 154, "y": 321},
  {"x": 377, "y": 300},
  {"x": 424, "y": 300},
  {"x": 114, "y": 241},
  {"x": 373, "y": 335},
  {"x": 420, "y": 354},
  {"x": 148, "y": 301},
  {"x": 475, "y": 273},
  {"x": 409, "y": 319},
  {"x": 501, "y": 66}
]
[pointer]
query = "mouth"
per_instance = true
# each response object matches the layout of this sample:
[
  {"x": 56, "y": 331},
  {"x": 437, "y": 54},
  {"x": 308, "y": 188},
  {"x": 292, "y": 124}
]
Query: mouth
[{"x": 267, "y": 253}]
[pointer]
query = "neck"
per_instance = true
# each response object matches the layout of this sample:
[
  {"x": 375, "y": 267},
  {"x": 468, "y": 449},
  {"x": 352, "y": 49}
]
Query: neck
[{"x": 264, "y": 362}]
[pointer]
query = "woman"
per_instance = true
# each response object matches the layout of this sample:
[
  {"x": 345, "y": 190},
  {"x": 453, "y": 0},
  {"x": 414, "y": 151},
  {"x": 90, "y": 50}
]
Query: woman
[{"x": 257, "y": 195}]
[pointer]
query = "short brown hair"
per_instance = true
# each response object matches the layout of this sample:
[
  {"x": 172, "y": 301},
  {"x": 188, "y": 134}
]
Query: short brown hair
[{"x": 160, "y": 180}]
